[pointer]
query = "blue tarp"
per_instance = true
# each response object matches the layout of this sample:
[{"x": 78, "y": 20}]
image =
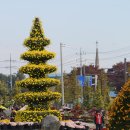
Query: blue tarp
[{"x": 112, "y": 94}]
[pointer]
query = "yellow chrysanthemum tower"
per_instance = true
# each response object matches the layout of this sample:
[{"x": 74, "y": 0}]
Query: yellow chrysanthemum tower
[
  {"x": 119, "y": 115},
  {"x": 39, "y": 97}
]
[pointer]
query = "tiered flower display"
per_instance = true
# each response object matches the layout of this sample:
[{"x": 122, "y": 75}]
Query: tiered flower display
[
  {"x": 39, "y": 97},
  {"x": 120, "y": 110}
]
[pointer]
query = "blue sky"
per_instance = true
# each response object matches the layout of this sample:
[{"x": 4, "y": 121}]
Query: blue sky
[{"x": 76, "y": 23}]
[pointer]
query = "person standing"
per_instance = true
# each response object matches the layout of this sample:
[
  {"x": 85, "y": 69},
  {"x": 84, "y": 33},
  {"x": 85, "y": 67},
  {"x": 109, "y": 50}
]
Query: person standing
[{"x": 98, "y": 120}]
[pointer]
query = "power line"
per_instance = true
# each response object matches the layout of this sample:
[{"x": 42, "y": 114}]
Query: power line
[
  {"x": 7, "y": 61},
  {"x": 112, "y": 51},
  {"x": 72, "y": 60},
  {"x": 9, "y": 67},
  {"x": 102, "y": 52},
  {"x": 115, "y": 56}
]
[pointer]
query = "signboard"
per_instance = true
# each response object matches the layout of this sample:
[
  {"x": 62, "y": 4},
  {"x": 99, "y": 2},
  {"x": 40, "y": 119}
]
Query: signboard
[
  {"x": 80, "y": 80},
  {"x": 88, "y": 80}
]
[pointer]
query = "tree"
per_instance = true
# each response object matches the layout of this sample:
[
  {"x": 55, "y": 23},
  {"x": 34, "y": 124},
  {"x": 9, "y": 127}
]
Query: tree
[
  {"x": 87, "y": 70},
  {"x": 88, "y": 97},
  {"x": 106, "y": 97},
  {"x": 116, "y": 76},
  {"x": 6, "y": 79},
  {"x": 39, "y": 97},
  {"x": 5, "y": 89},
  {"x": 17, "y": 89},
  {"x": 95, "y": 98},
  {"x": 98, "y": 99},
  {"x": 3, "y": 77},
  {"x": 120, "y": 109},
  {"x": 72, "y": 89},
  {"x": 3, "y": 92},
  {"x": 104, "y": 88}
]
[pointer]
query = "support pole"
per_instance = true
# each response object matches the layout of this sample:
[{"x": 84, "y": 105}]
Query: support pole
[
  {"x": 10, "y": 74},
  {"x": 125, "y": 70},
  {"x": 62, "y": 78},
  {"x": 81, "y": 74}
]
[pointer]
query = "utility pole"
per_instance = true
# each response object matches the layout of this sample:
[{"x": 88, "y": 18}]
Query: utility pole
[
  {"x": 84, "y": 73},
  {"x": 96, "y": 65},
  {"x": 125, "y": 70},
  {"x": 81, "y": 73},
  {"x": 10, "y": 74},
  {"x": 62, "y": 78},
  {"x": 97, "y": 57}
]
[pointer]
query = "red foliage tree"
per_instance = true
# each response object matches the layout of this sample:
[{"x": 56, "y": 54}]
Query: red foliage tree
[
  {"x": 116, "y": 76},
  {"x": 77, "y": 111}
]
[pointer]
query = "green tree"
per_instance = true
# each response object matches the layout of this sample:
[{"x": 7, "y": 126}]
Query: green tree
[
  {"x": 120, "y": 109},
  {"x": 15, "y": 77},
  {"x": 95, "y": 98},
  {"x": 72, "y": 88},
  {"x": 106, "y": 97},
  {"x": 88, "y": 97},
  {"x": 17, "y": 89},
  {"x": 98, "y": 98},
  {"x": 39, "y": 97},
  {"x": 3, "y": 88},
  {"x": 3, "y": 92},
  {"x": 3, "y": 77},
  {"x": 103, "y": 83}
]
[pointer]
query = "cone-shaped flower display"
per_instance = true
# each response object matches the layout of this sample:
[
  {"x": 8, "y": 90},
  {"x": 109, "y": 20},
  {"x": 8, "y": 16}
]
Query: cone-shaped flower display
[
  {"x": 39, "y": 97},
  {"x": 120, "y": 110}
]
